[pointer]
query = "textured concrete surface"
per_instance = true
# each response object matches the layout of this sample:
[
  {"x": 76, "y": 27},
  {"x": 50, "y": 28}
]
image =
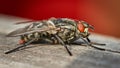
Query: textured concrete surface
[{"x": 55, "y": 56}]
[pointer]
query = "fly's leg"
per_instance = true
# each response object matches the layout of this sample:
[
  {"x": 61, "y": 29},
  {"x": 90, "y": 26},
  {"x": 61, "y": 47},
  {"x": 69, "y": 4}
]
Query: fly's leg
[
  {"x": 95, "y": 42},
  {"x": 98, "y": 48},
  {"x": 68, "y": 43},
  {"x": 24, "y": 45},
  {"x": 61, "y": 41},
  {"x": 88, "y": 39}
]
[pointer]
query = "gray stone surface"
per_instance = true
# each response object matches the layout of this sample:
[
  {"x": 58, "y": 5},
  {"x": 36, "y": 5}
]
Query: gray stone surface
[{"x": 55, "y": 56}]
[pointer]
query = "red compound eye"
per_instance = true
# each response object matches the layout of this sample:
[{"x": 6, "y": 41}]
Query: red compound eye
[
  {"x": 21, "y": 41},
  {"x": 80, "y": 27}
]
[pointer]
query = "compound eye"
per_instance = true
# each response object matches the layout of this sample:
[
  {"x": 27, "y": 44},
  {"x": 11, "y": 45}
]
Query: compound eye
[{"x": 81, "y": 27}]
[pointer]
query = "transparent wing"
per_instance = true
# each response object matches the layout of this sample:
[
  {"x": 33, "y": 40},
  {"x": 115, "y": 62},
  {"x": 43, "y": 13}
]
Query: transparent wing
[
  {"x": 18, "y": 31},
  {"x": 35, "y": 27},
  {"x": 22, "y": 30}
]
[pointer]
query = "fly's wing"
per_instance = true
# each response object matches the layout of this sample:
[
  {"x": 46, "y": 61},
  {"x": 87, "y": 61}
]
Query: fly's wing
[
  {"x": 18, "y": 31},
  {"x": 36, "y": 27},
  {"x": 21, "y": 30}
]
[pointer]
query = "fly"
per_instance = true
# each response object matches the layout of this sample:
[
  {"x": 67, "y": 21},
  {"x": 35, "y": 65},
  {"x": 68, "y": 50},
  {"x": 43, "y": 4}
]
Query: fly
[{"x": 62, "y": 31}]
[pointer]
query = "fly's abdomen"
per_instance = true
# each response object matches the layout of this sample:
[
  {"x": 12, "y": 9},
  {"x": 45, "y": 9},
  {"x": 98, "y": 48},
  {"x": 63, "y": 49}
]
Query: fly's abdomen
[
  {"x": 40, "y": 37},
  {"x": 28, "y": 37}
]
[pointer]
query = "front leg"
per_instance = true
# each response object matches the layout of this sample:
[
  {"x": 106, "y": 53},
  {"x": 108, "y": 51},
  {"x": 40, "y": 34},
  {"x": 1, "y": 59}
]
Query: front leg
[
  {"x": 94, "y": 42},
  {"x": 98, "y": 48}
]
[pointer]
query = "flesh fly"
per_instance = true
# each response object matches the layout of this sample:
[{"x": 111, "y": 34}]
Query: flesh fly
[{"x": 62, "y": 31}]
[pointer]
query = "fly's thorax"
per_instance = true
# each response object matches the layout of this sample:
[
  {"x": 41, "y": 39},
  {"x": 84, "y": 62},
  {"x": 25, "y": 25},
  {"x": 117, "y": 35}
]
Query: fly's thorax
[{"x": 67, "y": 32}]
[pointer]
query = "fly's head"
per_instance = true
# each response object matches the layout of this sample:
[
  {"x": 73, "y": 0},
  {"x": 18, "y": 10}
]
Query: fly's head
[{"x": 83, "y": 28}]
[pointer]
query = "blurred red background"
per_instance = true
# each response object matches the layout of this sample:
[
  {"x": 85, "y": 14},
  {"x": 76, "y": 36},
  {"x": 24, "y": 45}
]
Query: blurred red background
[{"x": 103, "y": 14}]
